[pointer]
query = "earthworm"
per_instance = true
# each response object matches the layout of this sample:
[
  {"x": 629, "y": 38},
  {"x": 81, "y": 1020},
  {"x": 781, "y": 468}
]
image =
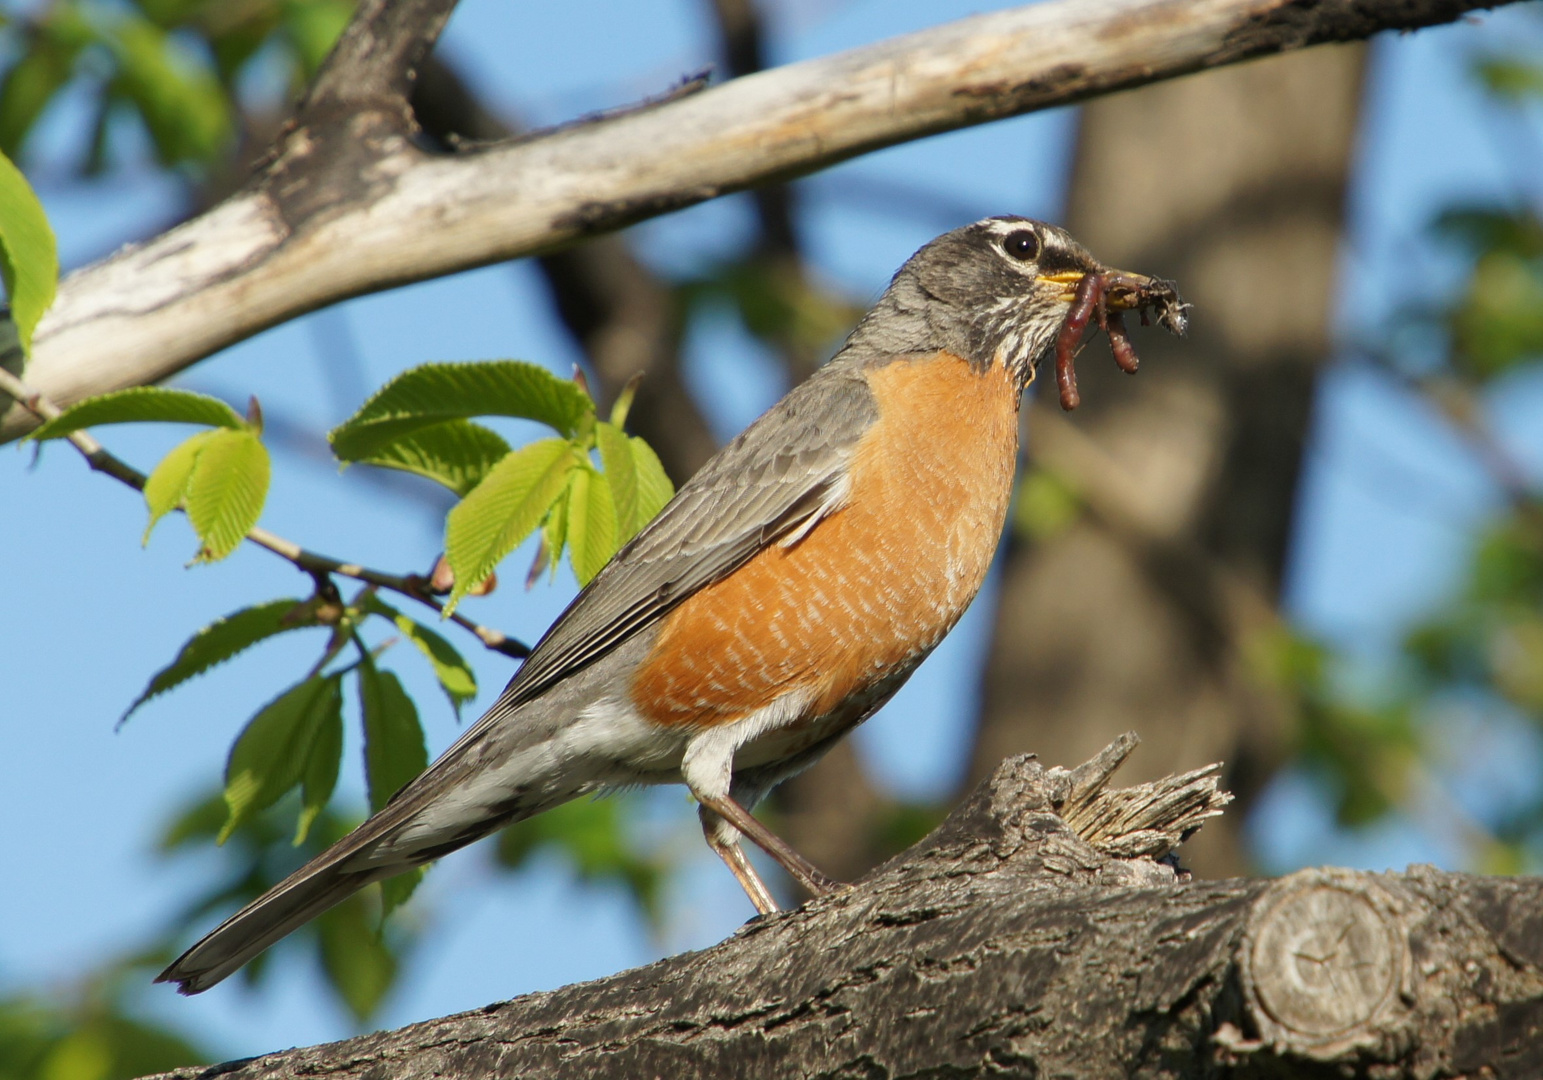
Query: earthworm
[
  {"x": 1120, "y": 343},
  {"x": 1090, "y": 303},
  {"x": 1088, "y": 298}
]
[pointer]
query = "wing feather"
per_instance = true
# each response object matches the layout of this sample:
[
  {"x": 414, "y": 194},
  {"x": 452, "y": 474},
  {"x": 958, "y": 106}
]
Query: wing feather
[{"x": 774, "y": 481}]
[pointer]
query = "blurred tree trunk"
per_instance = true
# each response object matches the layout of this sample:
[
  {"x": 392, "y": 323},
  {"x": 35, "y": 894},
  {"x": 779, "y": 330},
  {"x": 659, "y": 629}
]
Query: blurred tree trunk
[{"x": 1233, "y": 183}]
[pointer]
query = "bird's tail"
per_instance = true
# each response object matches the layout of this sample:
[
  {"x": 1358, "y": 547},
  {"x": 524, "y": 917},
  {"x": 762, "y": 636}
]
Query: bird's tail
[
  {"x": 297, "y": 899},
  {"x": 376, "y": 850}
]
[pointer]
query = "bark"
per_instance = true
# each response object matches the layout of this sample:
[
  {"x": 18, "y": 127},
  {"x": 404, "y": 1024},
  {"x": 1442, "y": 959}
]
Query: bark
[
  {"x": 350, "y": 203},
  {"x": 1232, "y": 183},
  {"x": 1042, "y": 930}
]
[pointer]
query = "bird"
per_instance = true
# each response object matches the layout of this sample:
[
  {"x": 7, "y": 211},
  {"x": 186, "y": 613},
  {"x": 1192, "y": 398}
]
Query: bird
[{"x": 787, "y": 591}]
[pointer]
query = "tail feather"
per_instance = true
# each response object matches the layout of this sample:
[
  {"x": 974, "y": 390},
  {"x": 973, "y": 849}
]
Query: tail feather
[
  {"x": 294, "y": 901},
  {"x": 382, "y": 846}
]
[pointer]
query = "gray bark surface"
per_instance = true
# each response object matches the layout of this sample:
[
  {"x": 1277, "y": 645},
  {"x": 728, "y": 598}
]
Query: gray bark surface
[{"x": 1041, "y": 931}]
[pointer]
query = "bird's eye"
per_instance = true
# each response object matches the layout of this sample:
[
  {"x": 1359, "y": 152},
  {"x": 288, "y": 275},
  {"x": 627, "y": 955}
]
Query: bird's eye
[{"x": 1023, "y": 244}]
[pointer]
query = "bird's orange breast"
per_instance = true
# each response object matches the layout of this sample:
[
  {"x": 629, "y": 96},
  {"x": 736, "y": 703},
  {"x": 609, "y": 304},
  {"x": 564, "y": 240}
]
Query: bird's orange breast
[{"x": 874, "y": 585}]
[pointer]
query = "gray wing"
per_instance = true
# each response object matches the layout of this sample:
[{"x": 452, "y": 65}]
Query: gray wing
[{"x": 774, "y": 479}]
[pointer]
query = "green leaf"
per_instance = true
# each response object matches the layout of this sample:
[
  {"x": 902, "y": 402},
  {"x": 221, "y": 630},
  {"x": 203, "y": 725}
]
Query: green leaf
[
  {"x": 45, "y": 66},
  {"x": 1484, "y": 230},
  {"x": 313, "y": 29},
  {"x": 223, "y": 639},
  {"x": 226, "y": 491},
  {"x": 593, "y": 835},
  {"x": 1507, "y": 568},
  {"x": 356, "y": 959},
  {"x": 271, "y": 754},
  {"x": 182, "y": 105},
  {"x": 394, "y": 754},
  {"x": 503, "y": 510},
  {"x": 591, "y": 524},
  {"x": 623, "y": 404},
  {"x": 167, "y": 484},
  {"x": 396, "y": 891},
  {"x": 450, "y": 668},
  {"x": 621, "y": 475},
  {"x": 394, "y": 751},
  {"x": 654, "y": 487},
  {"x": 142, "y": 404},
  {"x": 554, "y": 534},
  {"x": 456, "y": 453},
  {"x": 433, "y": 393},
  {"x": 1499, "y": 323},
  {"x": 29, "y": 262},
  {"x": 320, "y": 775},
  {"x": 1512, "y": 78},
  {"x": 1046, "y": 504}
]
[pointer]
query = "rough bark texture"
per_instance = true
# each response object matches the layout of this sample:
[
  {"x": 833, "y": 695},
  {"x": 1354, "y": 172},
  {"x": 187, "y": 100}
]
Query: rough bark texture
[
  {"x": 1232, "y": 183},
  {"x": 1039, "y": 932},
  {"x": 350, "y": 203}
]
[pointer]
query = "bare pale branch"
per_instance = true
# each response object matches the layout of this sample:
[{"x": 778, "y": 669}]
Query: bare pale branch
[{"x": 350, "y": 203}]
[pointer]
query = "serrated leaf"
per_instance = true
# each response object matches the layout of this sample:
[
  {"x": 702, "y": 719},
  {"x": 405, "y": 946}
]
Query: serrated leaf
[
  {"x": 434, "y": 393},
  {"x": 654, "y": 487},
  {"x": 29, "y": 261},
  {"x": 591, "y": 524},
  {"x": 142, "y": 404},
  {"x": 356, "y": 959},
  {"x": 621, "y": 475},
  {"x": 503, "y": 510},
  {"x": 394, "y": 751},
  {"x": 456, "y": 453},
  {"x": 226, "y": 491},
  {"x": 270, "y": 755},
  {"x": 221, "y": 640},
  {"x": 450, "y": 668},
  {"x": 168, "y": 481},
  {"x": 320, "y": 775}
]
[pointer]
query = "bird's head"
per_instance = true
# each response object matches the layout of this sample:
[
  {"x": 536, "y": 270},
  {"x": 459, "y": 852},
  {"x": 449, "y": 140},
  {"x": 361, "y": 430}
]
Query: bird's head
[{"x": 1000, "y": 291}]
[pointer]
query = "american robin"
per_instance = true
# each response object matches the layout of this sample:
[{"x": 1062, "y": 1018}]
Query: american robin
[{"x": 784, "y": 594}]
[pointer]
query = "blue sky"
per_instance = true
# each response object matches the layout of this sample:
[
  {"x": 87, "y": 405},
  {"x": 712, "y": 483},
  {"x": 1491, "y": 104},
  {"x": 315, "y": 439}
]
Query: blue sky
[{"x": 1388, "y": 501}]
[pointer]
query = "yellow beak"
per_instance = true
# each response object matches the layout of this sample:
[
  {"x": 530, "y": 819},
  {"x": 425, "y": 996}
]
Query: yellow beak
[{"x": 1122, "y": 291}]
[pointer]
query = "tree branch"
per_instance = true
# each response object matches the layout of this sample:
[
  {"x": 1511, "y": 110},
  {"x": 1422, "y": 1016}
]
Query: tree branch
[
  {"x": 317, "y": 565},
  {"x": 376, "y": 59},
  {"x": 343, "y": 209},
  {"x": 622, "y": 316},
  {"x": 1008, "y": 944}
]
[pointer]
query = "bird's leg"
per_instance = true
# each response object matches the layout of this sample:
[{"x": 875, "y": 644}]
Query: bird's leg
[
  {"x": 801, "y": 869},
  {"x": 723, "y": 838}
]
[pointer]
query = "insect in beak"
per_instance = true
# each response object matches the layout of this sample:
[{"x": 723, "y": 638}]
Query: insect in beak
[{"x": 1101, "y": 295}]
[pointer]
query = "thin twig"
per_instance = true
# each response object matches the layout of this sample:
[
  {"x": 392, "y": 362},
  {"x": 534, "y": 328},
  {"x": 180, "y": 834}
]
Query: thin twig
[{"x": 317, "y": 565}]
